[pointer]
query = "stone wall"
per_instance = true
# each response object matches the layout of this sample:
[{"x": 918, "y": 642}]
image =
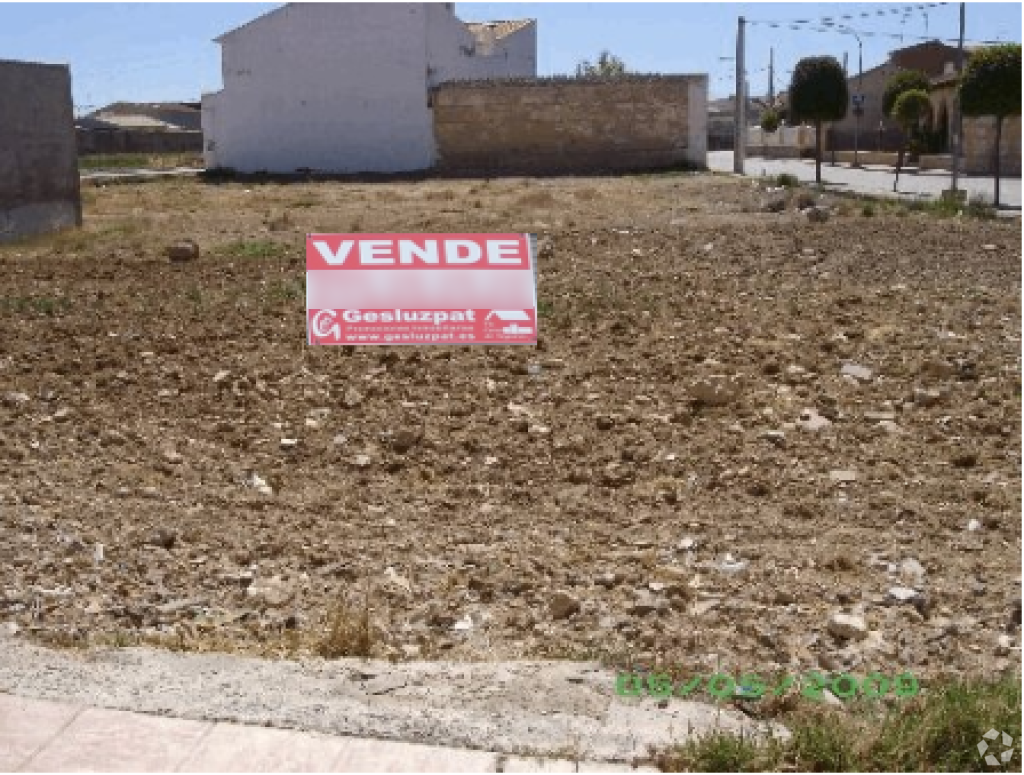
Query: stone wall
[
  {"x": 94, "y": 141},
  {"x": 558, "y": 126},
  {"x": 39, "y": 187},
  {"x": 979, "y": 144}
]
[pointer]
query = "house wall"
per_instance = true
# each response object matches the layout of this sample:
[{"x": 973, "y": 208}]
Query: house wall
[
  {"x": 334, "y": 87},
  {"x": 566, "y": 125},
  {"x": 39, "y": 185},
  {"x": 343, "y": 87}
]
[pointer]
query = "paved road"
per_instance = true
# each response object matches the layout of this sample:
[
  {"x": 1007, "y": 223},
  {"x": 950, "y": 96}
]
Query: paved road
[{"x": 874, "y": 180}]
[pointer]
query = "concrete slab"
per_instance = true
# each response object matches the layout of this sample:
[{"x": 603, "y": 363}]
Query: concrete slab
[
  {"x": 26, "y": 726},
  {"x": 531, "y": 764},
  {"x": 99, "y": 740},
  {"x": 362, "y": 755},
  {"x": 239, "y": 748}
]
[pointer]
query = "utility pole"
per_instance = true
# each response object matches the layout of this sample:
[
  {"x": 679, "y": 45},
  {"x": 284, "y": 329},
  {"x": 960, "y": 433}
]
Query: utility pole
[
  {"x": 739, "y": 153},
  {"x": 771, "y": 78},
  {"x": 958, "y": 122}
]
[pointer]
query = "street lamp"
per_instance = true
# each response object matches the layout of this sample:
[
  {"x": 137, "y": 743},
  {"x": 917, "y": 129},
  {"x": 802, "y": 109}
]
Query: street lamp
[{"x": 858, "y": 98}]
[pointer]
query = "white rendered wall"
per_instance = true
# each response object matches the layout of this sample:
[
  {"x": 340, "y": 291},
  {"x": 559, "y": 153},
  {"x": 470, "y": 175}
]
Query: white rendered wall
[{"x": 334, "y": 87}]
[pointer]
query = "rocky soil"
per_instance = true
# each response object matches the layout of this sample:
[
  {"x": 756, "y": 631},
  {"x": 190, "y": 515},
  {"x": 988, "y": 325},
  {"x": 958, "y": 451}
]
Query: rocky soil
[{"x": 749, "y": 439}]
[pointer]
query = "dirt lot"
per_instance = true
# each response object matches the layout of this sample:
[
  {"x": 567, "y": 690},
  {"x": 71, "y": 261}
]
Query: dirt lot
[{"x": 680, "y": 471}]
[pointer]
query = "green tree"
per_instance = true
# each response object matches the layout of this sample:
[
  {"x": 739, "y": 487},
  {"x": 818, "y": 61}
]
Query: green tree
[
  {"x": 607, "y": 66},
  {"x": 903, "y": 81},
  {"x": 909, "y": 110},
  {"x": 770, "y": 121},
  {"x": 818, "y": 93},
  {"x": 991, "y": 87}
]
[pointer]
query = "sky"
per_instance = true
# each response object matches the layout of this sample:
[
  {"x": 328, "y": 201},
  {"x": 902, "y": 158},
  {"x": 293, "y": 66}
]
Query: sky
[{"x": 150, "y": 52}]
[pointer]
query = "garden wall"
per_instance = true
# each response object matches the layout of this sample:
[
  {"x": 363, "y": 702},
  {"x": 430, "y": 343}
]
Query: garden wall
[
  {"x": 39, "y": 188},
  {"x": 565, "y": 126}
]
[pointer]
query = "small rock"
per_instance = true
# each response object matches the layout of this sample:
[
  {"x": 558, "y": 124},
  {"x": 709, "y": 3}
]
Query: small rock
[
  {"x": 9, "y": 630},
  {"x": 842, "y": 475},
  {"x": 562, "y": 605},
  {"x": 775, "y": 204},
  {"x": 273, "y": 592},
  {"x": 848, "y": 626},
  {"x": 811, "y": 421},
  {"x": 903, "y": 594},
  {"x": 973, "y": 525},
  {"x": 14, "y": 398},
  {"x": 1004, "y": 643},
  {"x": 183, "y": 250},
  {"x": 220, "y": 376},
  {"x": 259, "y": 484},
  {"x": 404, "y": 440},
  {"x": 816, "y": 214},
  {"x": 731, "y": 565},
  {"x": 646, "y": 603},
  {"x": 162, "y": 537},
  {"x": 775, "y": 438},
  {"x": 687, "y": 544},
  {"x": 465, "y": 624},
  {"x": 923, "y": 397},
  {"x": 289, "y": 443},
  {"x": 353, "y": 398},
  {"x": 965, "y": 459},
  {"x": 715, "y": 390},
  {"x": 858, "y": 372},
  {"x": 912, "y": 571},
  {"x": 172, "y": 457},
  {"x": 361, "y": 461}
]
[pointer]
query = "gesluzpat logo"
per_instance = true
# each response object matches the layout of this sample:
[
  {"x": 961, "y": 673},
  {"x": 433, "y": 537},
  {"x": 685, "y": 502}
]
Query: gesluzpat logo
[{"x": 990, "y": 758}]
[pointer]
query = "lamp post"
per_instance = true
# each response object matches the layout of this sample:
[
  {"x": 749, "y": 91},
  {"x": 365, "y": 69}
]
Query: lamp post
[{"x": 858, "y": 98}]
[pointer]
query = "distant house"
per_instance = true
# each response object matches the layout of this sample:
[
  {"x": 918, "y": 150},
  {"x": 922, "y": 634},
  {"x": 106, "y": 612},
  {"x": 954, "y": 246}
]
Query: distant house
[
  {"x": 141, "y": 127},
  {"x": 155, "y": 116},
  {"x": 345, "y": 87}
]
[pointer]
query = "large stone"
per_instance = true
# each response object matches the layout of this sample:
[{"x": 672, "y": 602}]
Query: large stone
[
  {"x": 183, "y": 250},
  {"x": 715, "y": 390},
  {"x": 848, "y": 626},
  {"x": 858, "y": 372},
  {"x": 272, "y": 592},
  {"x": 562, "y": 605}
]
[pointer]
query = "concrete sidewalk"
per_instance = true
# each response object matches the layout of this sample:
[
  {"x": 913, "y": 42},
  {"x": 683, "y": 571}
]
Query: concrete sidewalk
[
  {"x": 873, "y": 180},
  {"x": 47, "y": 736}
]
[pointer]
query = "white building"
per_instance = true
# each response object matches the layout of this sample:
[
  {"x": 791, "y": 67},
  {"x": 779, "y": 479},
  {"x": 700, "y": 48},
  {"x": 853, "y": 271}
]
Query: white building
[{"x": 344, "y": 87}]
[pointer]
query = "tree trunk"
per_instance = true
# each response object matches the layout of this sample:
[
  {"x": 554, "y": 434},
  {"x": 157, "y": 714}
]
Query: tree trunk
[
  {"x": 999, "y": 137},
  {"x": 817, "y": 152},
  {"x": 899, "y": 165}
]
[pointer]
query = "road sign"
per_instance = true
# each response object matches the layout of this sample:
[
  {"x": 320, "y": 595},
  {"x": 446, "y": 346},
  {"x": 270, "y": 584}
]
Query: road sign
[
  {"x": 857, "y": 99},
  {"x": 382, "y": 289}
]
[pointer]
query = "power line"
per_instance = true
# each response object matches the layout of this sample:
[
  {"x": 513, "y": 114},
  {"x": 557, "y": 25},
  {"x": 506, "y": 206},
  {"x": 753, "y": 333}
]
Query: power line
[{"x": 905, "y": 10}]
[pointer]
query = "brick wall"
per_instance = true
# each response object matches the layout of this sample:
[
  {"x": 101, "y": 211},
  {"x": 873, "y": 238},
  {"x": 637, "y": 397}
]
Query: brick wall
[
  {"x": 544, "y": 126},
  {"x": 39, "y": 188}
]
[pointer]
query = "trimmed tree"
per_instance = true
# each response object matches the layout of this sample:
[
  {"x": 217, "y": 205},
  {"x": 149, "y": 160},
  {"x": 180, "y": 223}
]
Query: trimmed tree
[
  {"x": 991, "y": 87},
  {"x": 903, "y": 81},
  {"x": 607, "y": 66},
  {"x": 818, "y": 93},
  {"x": 898, "y": 85},
  {"x": 770, "y": 121},
  {"x": 909, "y": 109}
]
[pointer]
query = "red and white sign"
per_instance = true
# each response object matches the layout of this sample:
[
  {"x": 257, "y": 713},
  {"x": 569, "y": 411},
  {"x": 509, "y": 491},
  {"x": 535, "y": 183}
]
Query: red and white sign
[{"x": 420, "y": 289}]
